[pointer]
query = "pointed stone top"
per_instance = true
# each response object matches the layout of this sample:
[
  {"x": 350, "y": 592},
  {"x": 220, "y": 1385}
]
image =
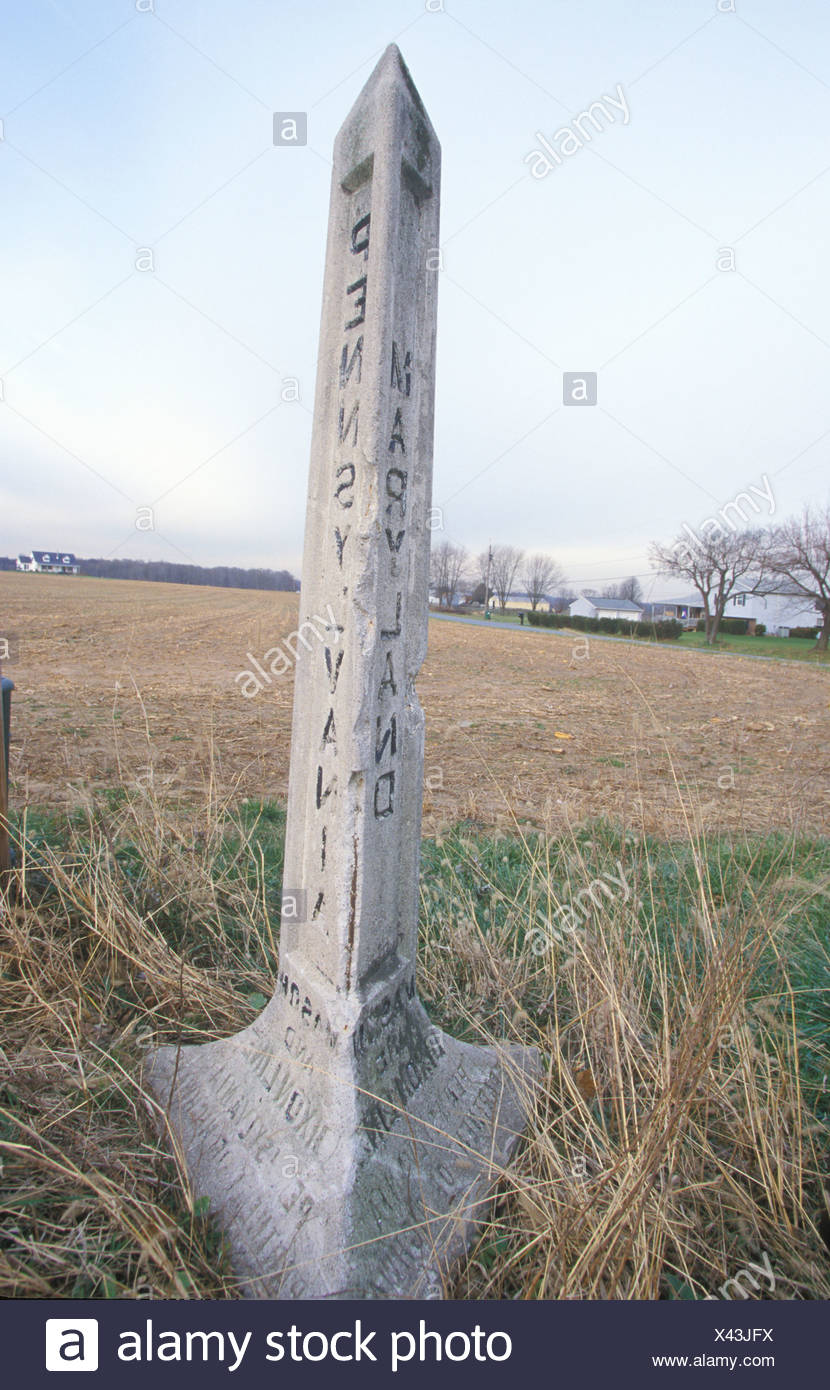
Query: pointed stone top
[
  {"x": 388, "y": 74},
  {"x": 391, "y": 54},
  {"x": 391, "y": 65}
]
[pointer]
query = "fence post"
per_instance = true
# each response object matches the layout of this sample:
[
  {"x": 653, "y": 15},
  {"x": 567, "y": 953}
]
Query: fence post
[{"x": 6, "y": 688}]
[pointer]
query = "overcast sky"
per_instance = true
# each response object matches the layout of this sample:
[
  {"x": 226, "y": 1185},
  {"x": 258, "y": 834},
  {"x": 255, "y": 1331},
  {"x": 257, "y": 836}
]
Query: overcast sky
[{"x": 127, "y": 388}]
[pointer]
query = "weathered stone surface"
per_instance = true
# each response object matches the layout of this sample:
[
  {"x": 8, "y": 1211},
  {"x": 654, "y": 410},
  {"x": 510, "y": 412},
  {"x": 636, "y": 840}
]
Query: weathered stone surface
[
  {"x": 344, "y": 1142},
  {"x": 322, "y": 1189}
]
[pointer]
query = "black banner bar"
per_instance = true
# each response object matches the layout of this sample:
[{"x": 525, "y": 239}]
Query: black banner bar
[{"x": 188, "y": 1344}]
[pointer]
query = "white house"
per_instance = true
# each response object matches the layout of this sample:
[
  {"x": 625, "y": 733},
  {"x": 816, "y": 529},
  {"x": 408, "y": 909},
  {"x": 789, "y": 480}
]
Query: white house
[
  {"x": 595, "y": 607},
  {"x": 48, "y": 562},
  {"x": 778, "y": 612}
]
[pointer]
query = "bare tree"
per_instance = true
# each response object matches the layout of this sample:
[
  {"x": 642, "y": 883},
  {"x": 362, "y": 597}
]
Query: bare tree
[
  {"x": 629, "y": 588},
  {"x": 798, "y": 563},
  {"x": 446, "y": 567},
  {"x": 541, "y": 576},
  {"x": 564, "y": 599},
  {"x": 718, "y": 566},
  {"x": 505, "y": 563}
]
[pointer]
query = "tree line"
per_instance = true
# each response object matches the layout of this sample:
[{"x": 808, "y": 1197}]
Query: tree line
[
  {"x": 494, "y": 573},
  {"x": 720, "y": 561},
  {"x": 172, "y": 572}
]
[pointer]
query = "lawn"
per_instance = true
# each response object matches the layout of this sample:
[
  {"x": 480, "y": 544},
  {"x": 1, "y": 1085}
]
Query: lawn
[{"x": 783, "y": 648}]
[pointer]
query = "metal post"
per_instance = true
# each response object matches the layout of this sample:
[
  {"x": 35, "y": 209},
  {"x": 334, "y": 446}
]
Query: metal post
[{"x": 6, "y": 688}]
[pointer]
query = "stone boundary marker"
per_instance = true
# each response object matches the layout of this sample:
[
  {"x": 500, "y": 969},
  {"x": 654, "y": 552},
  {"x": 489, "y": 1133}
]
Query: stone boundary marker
[{"x": 346, "y": 1144}]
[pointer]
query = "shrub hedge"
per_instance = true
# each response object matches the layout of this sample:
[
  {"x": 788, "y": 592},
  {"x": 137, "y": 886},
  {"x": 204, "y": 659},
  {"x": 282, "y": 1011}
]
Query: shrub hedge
[
  {"x": 666, "y": 631},
  {"x": 730, "y": 627}
]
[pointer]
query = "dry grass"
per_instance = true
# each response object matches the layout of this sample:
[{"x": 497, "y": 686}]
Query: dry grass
[
  {"x": 675, "y": 1138},
  {"x": 674, "y": 1142},
  {"x": 100, "y": 955}
]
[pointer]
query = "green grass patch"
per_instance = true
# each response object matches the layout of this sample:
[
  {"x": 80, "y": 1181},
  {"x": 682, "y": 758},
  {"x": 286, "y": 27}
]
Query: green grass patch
[
  {"x": 781, "y": 648},
  {"x": 508, "y": 888}
]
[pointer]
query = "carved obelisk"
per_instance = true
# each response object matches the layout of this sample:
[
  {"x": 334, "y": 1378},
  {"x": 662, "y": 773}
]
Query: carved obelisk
[{"x": 346, "y": 1144}]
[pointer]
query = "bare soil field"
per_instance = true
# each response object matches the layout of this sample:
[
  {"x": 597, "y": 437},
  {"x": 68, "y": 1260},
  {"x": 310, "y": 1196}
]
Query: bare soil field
[{"x": 120, "y": 682}]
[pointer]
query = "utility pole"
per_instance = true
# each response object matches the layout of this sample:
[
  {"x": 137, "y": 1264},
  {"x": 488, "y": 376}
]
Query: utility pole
[{"x": 487, "y": 580}]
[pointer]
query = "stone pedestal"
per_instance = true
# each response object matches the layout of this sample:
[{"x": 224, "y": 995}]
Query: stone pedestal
[{"x": 351, "y": 1165}]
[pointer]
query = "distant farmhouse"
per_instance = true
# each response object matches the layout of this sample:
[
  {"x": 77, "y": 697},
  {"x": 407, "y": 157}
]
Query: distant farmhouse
[
  {"x": 48, "y": 562},
  {"x": 592, "y": 606},
  {"x": 521, "y": 601},
  {"x": 545, "y": 603}
]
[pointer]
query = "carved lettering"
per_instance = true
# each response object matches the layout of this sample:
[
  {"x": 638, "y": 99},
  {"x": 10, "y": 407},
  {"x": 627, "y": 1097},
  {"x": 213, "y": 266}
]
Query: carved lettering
[
  {"x": 347, "y": 364},
  {"x": 333, "y": 668},
  {"x": 295, "y": 1105},
  {"x": 266, "y": 1069},
  {"x": 384, "y": 795},
  {"x": 343, "y": 428},
  {"x": 340, "y": 541},
  {"x": 358, "y": 288},
  {"x": 324, "y": 794},
  {"x": 361, "y": 243},
  {"x": 396, "y": 441},
  {"x": 396, "y": 480},
  {"x": 346, "y": 486},
  {"x": 378, "y": 1121},
  {"x": 396, "y": 630},
  {"x": 388, "y": 682},
  {"x": 390, "y": 737},
  {"x": 401, "y": 376}
]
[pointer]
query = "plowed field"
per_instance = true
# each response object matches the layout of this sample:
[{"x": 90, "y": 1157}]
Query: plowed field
[{"x": 120, "y": 682}]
